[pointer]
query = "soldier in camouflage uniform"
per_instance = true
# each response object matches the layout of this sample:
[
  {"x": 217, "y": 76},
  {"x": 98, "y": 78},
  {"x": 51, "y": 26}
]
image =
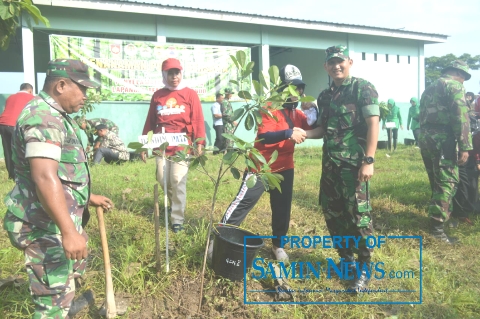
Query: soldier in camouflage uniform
[
  {"x": 88, "y": 126},
  {"x": 227, "y": 116},
  {"x": 349, "y": 123},
  {"x": 110, "y": 147},
  {"x": 444, "y": 123},
  {"x": 47, "y": 206}
]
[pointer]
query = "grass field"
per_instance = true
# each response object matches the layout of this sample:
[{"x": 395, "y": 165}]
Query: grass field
[{"x": 399, "y": 194}]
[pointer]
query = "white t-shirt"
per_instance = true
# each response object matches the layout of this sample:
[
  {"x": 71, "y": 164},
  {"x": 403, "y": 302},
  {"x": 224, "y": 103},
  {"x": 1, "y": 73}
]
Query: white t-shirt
[{"x": 217, "y": 109}]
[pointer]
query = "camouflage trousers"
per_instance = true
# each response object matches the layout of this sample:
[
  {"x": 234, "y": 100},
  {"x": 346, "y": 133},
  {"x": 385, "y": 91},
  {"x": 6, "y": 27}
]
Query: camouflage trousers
[
  {"x": 50, "y": 274},
  {"x": 442, "y": 170},
  {"x": 228, "y": 128},
  {"x": 344, "y": 203}
]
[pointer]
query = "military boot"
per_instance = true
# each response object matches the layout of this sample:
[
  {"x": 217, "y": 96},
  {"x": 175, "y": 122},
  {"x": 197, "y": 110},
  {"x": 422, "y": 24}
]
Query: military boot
[
  {"x": 362, "y": 275},
  {"x": 436, "y": 227},
  {"x": 346, "y": 263}
]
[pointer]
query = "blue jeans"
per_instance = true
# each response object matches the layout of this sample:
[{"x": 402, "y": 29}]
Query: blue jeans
[{"x": 107, "y": 154}]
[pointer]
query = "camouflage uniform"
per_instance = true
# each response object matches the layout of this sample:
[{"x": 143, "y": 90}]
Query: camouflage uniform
[
  {"x": 44, "y": 130},
  {"x": 227, "y": 117},
  {"x": 342, "y": 196},
  {"x": 113, "y": 142},
  {"x": 92, "y": 123},
  {"x": 444, "y": 122}
]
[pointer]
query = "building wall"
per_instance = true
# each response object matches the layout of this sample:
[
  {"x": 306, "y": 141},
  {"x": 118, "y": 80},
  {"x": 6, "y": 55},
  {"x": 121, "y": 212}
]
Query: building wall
[{"x": 303, "y": 48}]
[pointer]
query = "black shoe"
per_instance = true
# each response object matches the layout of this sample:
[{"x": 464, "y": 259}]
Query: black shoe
[
  {"x": 437, "y": 231},
  {"x": 360, "y": 282},
  {"x": 346, "y": 265},
  {"x": 84, "y": 300},
  {"x": 177, "y": 228}
]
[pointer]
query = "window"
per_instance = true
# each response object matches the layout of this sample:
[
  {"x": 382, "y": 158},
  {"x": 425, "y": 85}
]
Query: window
[
  {"x": 364, "y": 56},
  {"x": 374, "y": 57}
]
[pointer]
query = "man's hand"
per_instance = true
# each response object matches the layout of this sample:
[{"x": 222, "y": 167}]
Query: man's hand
[
  {"x": 99, "y": 200},
  {"x": 74, "y": 245},
  {"x": 462, "y": 158},
  {"x": 365, "y": 172},
  {"x": 401, "y": 127},
  {"x": 298, "y": 135},
  {"x": 235, "y": 123},
  {"x": 478, "y": 167},
  {"x": 199, "y": 149}
]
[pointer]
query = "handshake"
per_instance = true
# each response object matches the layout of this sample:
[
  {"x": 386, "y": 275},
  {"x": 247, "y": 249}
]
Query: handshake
[{"x": 298, "y": 135}]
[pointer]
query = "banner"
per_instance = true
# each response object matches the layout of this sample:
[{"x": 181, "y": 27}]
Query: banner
[{"x": 132, "y": 70}]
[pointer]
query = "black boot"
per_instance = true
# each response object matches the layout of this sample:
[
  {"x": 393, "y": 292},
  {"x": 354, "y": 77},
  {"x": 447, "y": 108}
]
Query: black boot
[
  {"x": 347, "y": 263},
  {"x": 436, "y": 227},
  {"x": 394, "y": 144},
  {"x": 84, "y": 300},
  {"x": 362, "y": 275}
]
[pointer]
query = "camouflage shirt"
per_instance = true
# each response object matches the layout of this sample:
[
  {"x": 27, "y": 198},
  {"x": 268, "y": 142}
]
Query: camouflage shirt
[
  {"x": 443, "y": 107},
  {"x": 113, "y": 142},
  {"x": 227, "y": 116},
  {"x": 343, "y": 119},
  {"x": 44, "y": 130},
  {"x": 92, "y": 123}
]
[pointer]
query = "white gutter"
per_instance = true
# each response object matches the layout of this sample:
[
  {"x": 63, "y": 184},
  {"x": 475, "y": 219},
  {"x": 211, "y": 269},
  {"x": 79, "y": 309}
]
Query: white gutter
[{"x": 152, "y": 9}]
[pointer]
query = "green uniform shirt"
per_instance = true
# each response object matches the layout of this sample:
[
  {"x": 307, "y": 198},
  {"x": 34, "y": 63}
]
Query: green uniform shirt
[
  {"x": 413, "y": 115},
  {"x": 345, "y": 136},
  {"x": 443, "y": 107},
  {"x": 394, "y": 115},
  {"x": 45, "y": 130}
]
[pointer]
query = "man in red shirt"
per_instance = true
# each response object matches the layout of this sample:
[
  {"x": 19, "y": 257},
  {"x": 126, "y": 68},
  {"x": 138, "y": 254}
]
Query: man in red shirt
[
  {"x": 14, "y": 105},
  {"x": 280, "y": 136}
]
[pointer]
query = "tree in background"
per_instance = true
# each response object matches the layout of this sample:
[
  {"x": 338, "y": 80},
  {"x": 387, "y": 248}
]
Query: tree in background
[
  {"x": 10, "y": 17},
  {"x": 434, "y": 65}
]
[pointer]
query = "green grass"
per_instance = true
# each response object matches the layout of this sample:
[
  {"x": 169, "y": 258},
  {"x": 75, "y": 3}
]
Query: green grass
[{"x": 399, "y": 193}]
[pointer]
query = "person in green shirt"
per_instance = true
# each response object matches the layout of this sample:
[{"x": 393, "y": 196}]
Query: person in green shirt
[
  {"x": 412, "y": 122},
  {"x": 396, "y": 117}
]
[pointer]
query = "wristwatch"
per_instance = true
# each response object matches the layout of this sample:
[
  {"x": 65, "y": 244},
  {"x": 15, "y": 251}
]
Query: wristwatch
[{"x": 368, "y": 160}]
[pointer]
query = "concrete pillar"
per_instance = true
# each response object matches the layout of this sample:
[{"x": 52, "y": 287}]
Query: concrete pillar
[
  {"x": 28, "y": 58},
  {"x": 421, "y": 69}
]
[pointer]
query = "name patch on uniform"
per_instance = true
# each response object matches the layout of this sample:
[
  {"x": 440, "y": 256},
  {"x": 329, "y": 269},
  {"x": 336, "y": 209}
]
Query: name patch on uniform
[{"x": 173, "y": 139}]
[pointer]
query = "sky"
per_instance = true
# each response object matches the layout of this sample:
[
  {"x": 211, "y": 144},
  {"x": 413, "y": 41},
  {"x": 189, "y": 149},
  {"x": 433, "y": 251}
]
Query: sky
[{"x": 459, "y": 20}]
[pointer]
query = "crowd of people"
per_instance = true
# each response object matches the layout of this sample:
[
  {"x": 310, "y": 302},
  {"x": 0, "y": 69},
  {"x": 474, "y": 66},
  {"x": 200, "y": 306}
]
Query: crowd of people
[{"x": 47, "y": 209}]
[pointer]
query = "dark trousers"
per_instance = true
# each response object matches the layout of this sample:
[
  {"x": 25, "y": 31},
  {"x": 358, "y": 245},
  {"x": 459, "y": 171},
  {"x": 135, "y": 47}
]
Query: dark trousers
[
  {"x": 107, "y": 154},
  {"x": 7, "y": 133},
  {"x": 395, "y": 136},
  {"x": 280, "y": 204},
  {"x": 466, "y": 197},
  {"x": 219, "y": 139},
  {"x": 416, "y": 133}
]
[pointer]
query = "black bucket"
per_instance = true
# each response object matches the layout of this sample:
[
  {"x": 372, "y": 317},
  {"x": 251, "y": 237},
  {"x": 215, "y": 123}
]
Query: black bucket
[
  {"x": 227, "y": 258},
  {"x": 381, "y": 145},
  {"x": 409, "y": 141}
]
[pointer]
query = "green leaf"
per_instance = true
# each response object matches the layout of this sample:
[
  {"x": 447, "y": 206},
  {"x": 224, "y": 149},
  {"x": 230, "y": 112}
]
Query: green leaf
[
  {"x": 307, "y": 98},
  {"x": 245, "y": 95},
  {"x": 140, "y": 150},
  {"x": 164, "y": 146},
  {"x": 149, "y": 137},
  {"x": 262, "y": 80},
  {"x": 238, "y": 113},
  {"x": 259, "y": 157},
  {"x": 250, "y": 65},
  {"x": 234, "y": 82},
  {"x": 249, "y": 122},
  {"x": 4, "y": 11},
  {"x": 292, "y": 90},
  {"x": 251, "y": 181},
  {"x": 257, "y": 86},
  {"x": 135, "y": 145},
  {"x": 274, "y": 74},
  {"x": 257, "y": 116},
  {"x": 273, "y": 181},
  {"x": 241, "y": 58},
  {"x": 235, "y": 61},
  {"x": 203, "y": 159},
  {"x": 194, "y": 164},
  {"x": 250, "y": 163},
  {"x": 235, "y": 172},
  {"x": 273, "y": 158}
]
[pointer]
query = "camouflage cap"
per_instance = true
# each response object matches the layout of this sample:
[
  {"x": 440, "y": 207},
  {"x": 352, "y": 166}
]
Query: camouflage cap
[
  {"x": 459, "y": 65},
  {"x": 337, "y": 51},
  {"x": 79, "y": 119},
  {"x": 75, "y": 70},
  {"x": 228, "y": 91}
]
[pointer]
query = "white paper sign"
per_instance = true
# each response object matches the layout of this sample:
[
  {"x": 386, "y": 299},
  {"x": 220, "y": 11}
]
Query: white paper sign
[
  {"x": 390, "y": 125},
  {"x": 173, "y": 139}
]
